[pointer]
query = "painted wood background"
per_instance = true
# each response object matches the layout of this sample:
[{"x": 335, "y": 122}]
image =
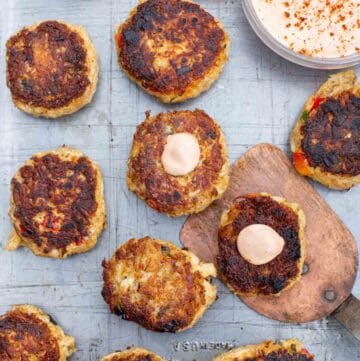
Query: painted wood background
[{"x": 256, "y": 99}]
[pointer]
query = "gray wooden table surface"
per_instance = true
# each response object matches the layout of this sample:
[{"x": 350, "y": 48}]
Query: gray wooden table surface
[{"x": 256, "y": 99}]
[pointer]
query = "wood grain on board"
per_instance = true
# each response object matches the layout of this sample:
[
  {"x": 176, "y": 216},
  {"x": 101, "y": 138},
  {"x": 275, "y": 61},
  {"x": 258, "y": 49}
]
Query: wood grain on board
[{"x": 331, "y": 253}]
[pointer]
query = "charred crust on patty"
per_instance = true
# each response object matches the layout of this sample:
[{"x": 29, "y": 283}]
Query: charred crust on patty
[
  {"x": 26, "y": 326},
  {"x": 47, "y": 90},
  {"x": 325, "y": 140},
  {"x": 26, "y": 333},
  {"x": 289, "y": 350},
  {"x": 331, "y": 135},
  {"x": 157, "y": 285},
  {"x": 173, "y": 49},
  {"x": 43, "y": 183},
  {"x": 275, "y": 276},
  {"x": 51, "y": 68},
  {"x": 182, "y": 194},
  {"x": 56, "y": 198},
  {"x": 132, "y": 354}
]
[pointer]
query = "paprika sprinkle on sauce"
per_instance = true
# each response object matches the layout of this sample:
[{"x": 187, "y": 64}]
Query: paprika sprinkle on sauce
[{"x": 315, "y": 28}]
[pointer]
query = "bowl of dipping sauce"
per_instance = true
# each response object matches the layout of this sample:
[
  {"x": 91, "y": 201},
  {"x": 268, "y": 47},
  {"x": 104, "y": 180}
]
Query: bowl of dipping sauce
[{"x": 321, "y": 34}]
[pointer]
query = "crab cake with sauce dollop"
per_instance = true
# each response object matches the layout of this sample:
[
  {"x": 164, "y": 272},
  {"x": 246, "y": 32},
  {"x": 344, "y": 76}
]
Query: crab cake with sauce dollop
[
  {"x": 261, "y": 245},
  {"x": 52, "y": 68},
  {"x": 178, "y": 162},
  {"x": 133, "y": 354},
  {"x": 158, "y": 285},
  {"x": 289, "y": 350},
  {"x": 173, "y": 49},
  {"x": 57, "y": 204},
  {"x": 326, "y": 138},
  {"x": 27, "y": 333}
]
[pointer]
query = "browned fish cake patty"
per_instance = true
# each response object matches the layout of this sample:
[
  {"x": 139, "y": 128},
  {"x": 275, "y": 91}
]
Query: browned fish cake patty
[
  {"x": 326, "y": 139},
  {"x": 280, "y": 273},
  {"x": 173, "y": 49},
  {"x": 26, "y": 333},
  {"x": 331, "y": 135},
  {"x": 289, "y": 350},
  {"x": 157, "y": 285},
  {"x": 178, "y": 195},
  {"x": 133, "y": 354},
  {"x": 51, "y": 68},
  {"x": 57, "y": 206}
]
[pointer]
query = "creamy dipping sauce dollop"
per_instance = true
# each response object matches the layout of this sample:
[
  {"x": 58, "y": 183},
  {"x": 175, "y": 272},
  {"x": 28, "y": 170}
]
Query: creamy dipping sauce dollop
[
  {"x": 181, "y": 154},
  {"x": 259, "y": 244},
  {"x": 316, "y": 28}
]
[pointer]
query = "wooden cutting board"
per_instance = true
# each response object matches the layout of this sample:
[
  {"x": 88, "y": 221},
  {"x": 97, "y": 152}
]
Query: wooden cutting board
[{"x": 331, "y": 256}]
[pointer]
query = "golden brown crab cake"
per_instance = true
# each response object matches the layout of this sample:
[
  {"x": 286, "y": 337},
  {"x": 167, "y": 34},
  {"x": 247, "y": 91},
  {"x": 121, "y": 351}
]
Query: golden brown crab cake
[
  {"x": 27, "y": 333},
  {"x": 158, "y": 285},
  {"x": 285, "y": 221},
  {"x": 52, "y": 68},
  {"x": 57, "y": 204},
  {"x": 326, "y": 138},
  {"x": 289, "y": 350},
  {"x": 195, "y": 188},
  {"x": 173, "y": 49},
  {"x": 133, "y": 354}
]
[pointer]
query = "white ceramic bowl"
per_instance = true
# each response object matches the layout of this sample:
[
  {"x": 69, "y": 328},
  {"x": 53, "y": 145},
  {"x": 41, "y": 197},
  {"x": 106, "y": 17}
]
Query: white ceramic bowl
[{"x": 283, "y": 51}]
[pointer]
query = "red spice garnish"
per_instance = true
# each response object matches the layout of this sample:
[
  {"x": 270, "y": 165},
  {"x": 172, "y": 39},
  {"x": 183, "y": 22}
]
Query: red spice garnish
[
  {"x": 45, "y": 220},
  {"x": 301, "y": 163},
  {"x": 317, "y": 102},
  {"x": 79, "y": 241},
  {"x": 306, "y": 352}
]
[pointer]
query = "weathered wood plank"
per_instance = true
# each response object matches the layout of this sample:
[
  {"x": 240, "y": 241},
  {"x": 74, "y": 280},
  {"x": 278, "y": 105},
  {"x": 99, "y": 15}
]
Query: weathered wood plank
[{"x": 331, "y": 253}]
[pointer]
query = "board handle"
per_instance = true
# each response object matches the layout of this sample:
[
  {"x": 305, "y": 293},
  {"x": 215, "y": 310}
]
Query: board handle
[{"x": 348, "y": 314}]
